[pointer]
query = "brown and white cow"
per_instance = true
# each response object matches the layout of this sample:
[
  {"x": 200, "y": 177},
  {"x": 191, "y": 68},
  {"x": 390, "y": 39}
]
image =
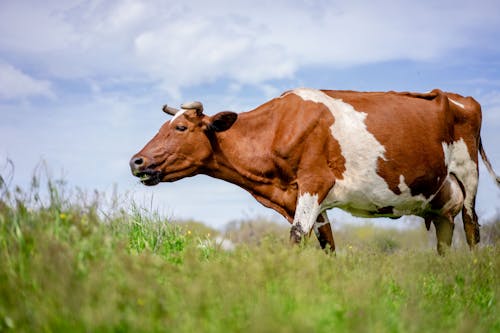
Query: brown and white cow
[{"x": 373, "y": 154}]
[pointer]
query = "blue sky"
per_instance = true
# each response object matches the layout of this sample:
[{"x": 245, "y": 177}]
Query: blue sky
[{"x": 82, "y": 82}]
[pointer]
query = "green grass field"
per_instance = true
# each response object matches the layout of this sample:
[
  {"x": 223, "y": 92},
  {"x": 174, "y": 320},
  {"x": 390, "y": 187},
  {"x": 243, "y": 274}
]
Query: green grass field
[{"x": 68, "y": 266}]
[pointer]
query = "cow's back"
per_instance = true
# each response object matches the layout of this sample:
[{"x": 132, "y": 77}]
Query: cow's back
[{"x": 411, "y": 129}]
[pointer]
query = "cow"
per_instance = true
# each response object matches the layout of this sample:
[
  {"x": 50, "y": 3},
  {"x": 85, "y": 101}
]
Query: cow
[{"x": 372, "y": 154}]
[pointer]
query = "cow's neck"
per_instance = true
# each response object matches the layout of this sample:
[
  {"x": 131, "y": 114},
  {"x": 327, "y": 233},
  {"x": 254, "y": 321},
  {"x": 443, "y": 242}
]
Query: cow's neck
[
  {"x": 238, "y": 147},
  {"x": 242, "y": 157}
]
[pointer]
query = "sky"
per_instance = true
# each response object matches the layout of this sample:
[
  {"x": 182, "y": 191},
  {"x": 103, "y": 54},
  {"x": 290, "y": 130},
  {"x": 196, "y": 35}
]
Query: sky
[{"x": 82, "y": 82}]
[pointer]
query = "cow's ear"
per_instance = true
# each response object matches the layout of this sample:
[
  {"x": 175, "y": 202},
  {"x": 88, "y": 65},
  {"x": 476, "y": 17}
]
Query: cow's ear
[{"x": 222, "y": 121}]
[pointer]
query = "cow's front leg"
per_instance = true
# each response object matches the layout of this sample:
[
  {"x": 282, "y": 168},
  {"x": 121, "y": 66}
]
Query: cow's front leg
[
  {"x": 306, "y": 213},
  {"x": 323, "y": 231},
  {"x": 444, "y": 233}
]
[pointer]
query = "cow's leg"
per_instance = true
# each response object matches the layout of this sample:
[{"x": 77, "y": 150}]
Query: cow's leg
[
  {"x": 468, "y": 185},
  {"x": 468, "y": 182},
  {"x": 306, "y": 214},
  {"x": 471, "y": 225},
  {"x": 466, "y": 171},
  {"x": 323, "y": 231},
  {"x": 446, "y": 204},
  {"x": 444, "y": 233}
]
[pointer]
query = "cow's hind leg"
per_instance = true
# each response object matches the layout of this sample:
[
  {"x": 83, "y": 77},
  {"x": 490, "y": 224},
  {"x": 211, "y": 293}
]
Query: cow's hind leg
[
  {"x": 323, "y": 231},
  {"x": 469, "y": 216},
  {"x": 465, "y": 169},
  {"x": 471, "y": 226}
]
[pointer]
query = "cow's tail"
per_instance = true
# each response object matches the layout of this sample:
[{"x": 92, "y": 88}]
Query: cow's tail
[{"x": 487, "y": 163}]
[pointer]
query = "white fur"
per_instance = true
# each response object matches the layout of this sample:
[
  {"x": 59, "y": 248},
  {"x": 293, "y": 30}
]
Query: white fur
[
  {"x": 456, "y": 201},
  {"x": 361, "y": 191},
  {"x": 306, "y": 212},
  {"x": 459, "y": 162},
  {"x": 177, "y": 115},
  {"x": 318, "y": 225},
  {"x": 456, "y": 103}
]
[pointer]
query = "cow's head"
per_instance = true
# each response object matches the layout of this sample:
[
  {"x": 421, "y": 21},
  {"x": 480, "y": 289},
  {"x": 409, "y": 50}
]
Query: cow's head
[{"x": 182, "y": 147}]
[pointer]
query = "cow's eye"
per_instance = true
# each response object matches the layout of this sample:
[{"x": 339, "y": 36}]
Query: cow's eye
[{"x": 180, "y": 128}]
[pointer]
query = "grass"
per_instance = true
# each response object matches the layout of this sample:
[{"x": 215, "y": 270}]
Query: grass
[{"x": 65, "y": 266}]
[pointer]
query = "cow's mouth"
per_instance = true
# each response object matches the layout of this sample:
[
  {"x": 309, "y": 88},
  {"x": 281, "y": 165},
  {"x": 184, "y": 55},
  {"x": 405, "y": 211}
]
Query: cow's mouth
[{"x": 149, "y": 177}]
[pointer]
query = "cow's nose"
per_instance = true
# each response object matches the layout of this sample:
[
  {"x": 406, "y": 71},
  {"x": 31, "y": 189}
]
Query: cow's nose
[{"x": 137, "y": 163}]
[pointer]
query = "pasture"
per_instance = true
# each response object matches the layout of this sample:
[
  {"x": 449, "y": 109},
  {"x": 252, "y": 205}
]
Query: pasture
[{"x": 69, "y": 265}]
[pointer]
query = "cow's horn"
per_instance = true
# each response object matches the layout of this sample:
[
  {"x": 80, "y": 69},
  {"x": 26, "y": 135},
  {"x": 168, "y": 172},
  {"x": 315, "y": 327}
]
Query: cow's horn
[
  {"x": 170, "y": 110},
  {"x": 193, "y": 105}
]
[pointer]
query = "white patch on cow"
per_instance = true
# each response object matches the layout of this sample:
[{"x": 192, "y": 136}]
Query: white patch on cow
[
  {"x": 177, "y": 115},
  {"x": 361, "y": 191},
  {"x": 456, "y": 103},
  {"x": 306, "y": 212},
  {"x": 402, "y": 185},
  {"x": 459, "y": 162},
  {"x": 456, "y": 201},
  {"x": 318, "y": 225}
]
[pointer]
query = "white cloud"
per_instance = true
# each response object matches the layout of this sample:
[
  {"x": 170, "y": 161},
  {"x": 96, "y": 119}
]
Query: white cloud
[
  {"x": 16, "y": 84},
  {"x": 184, "y": 44}
]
